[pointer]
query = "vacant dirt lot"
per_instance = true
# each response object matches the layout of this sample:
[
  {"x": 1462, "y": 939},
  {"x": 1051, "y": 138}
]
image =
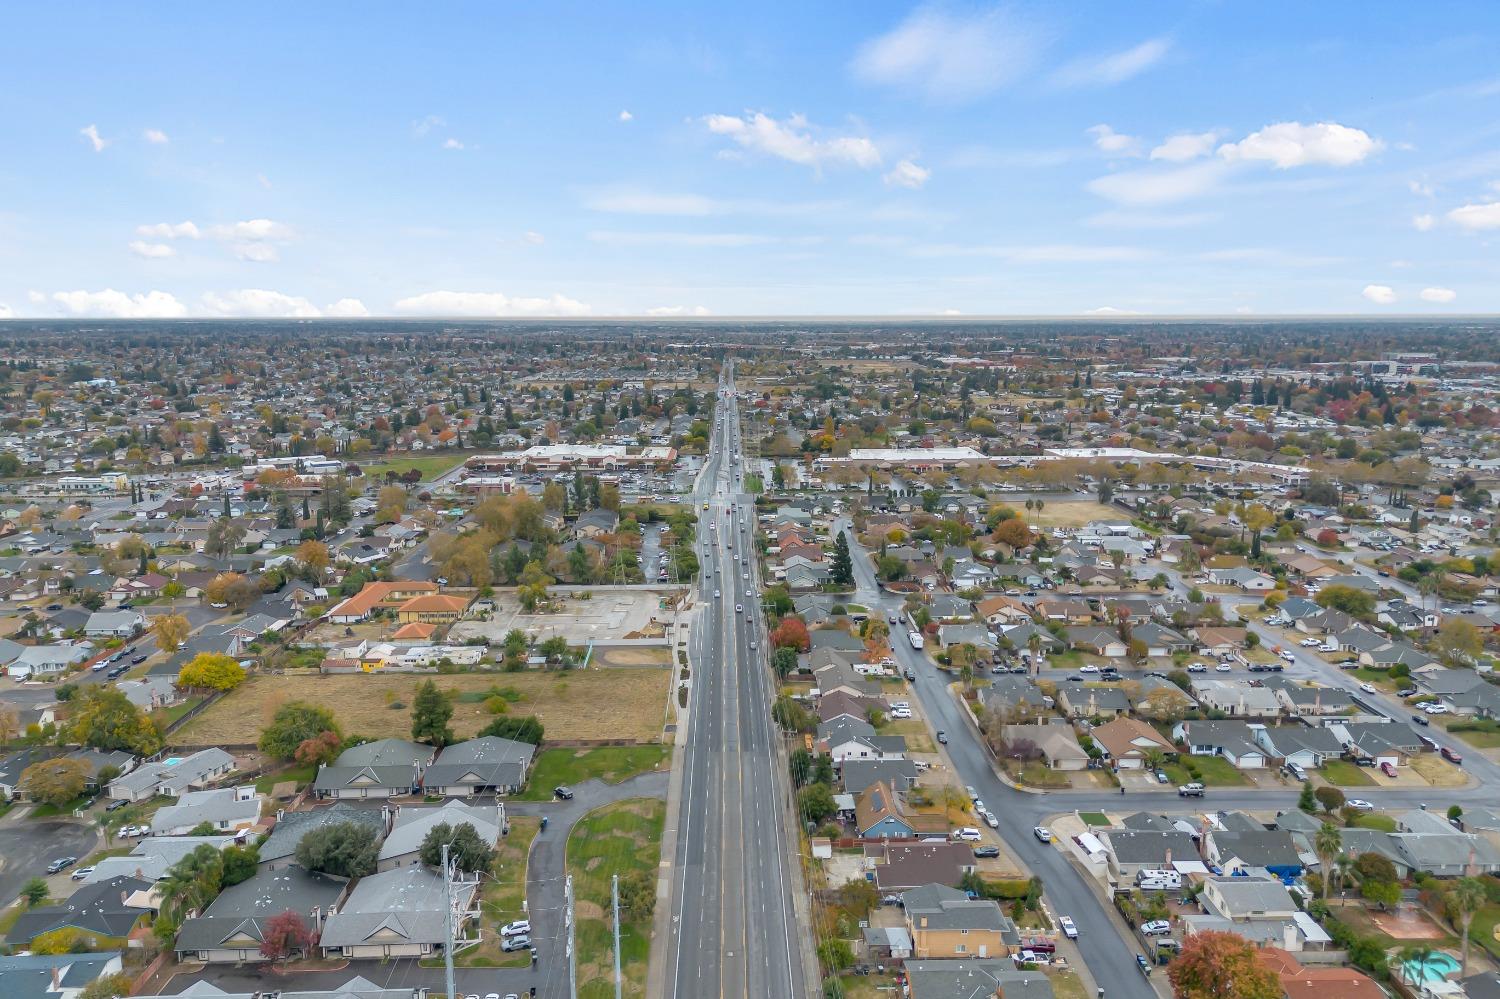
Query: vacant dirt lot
[
  {"x": 615, "y": 703},
  {"x": 1072, "y": 513}
]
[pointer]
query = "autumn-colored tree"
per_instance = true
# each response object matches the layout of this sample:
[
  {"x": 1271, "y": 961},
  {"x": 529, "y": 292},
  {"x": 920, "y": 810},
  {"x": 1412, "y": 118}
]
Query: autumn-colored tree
[
  {"x": 1217, "y": 965},
  {"x": 791, "y": 633},
  {"x": 170, "y": 631},
  {"x": 1014, "y": 532},
  {"x": 313, "y": 554},
  {"x": 284, "y": 935},
  {"x": 211, "y": 671},
  {"x": 232, "y": 589},
  {"x": 63, "y": 940},
  {"x": 55, "y": 782},
  {"x": 321, "y": 748}
]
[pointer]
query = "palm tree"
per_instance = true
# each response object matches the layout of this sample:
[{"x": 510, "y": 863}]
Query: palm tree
[
  {"x": 1466, "y": 898},
  {"x": 1328, "y": 843},
  {"x": 1034, "y": 643},
  {"x": 1345, "y": 865},
  {"x": 1416, "y": 955}
]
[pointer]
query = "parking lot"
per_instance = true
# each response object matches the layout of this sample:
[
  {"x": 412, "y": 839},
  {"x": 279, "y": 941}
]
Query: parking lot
[{"x": 609, "y": 612}]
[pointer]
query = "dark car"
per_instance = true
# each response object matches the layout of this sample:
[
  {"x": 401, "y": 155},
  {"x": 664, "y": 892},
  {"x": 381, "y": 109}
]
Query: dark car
[
  {"x": 1422, "y": 720},
  {"x": 61, "y": 864},
  {"x": 942, "y": 737},
  {"x": 563, "y": 793},
  {"x": 116, "y": 805},
  {"x": 986, "y": 851},
  {"x": 137, "y": 660},
  {"x": 117, "y": 672}
]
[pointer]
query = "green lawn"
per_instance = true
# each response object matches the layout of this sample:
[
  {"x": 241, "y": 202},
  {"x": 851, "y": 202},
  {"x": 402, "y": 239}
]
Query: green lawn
[
  {"x": 300, "y": 774},
  {"x": 1342, "y": 773},
  {"x": 622, "y": 838},
  {"x": 1482, "y": 930},
  {"x": 431, "y": 465},
  {"x": 52, "y": 811},
  {"x": 1214, "y": 771},
  {"x": 1370, "y": 820},
  {"x": 573, "y": 766},
  {"x": 1094, "y": 818},
  {"x": 1485, "y": 733},
  {"x": 754, "y": 484}
]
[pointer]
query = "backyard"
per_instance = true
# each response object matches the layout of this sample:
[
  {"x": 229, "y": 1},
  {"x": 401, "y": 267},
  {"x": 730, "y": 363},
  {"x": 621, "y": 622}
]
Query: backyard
[
  {"x": 616, "y": 703},
  {"x": 611, "y": 764},
  {"x": 624, "y": 839}
]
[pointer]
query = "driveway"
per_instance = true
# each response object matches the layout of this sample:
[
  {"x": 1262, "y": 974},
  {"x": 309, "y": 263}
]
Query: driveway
[
  {"x": 545, "y": 903},
  {"x": 27, "y": 847}
]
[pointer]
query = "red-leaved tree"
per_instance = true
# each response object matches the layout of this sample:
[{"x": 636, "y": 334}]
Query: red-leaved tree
[
  {"x": 791, "y": 633},
  {"x": 1216, "y": 965},
  {"x": 320, "y": 748},
  {"x": 284, "y": 935}
]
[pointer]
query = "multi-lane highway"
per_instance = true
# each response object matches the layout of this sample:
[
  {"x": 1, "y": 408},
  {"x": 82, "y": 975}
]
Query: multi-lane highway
[{"x": 735, "y": 930}]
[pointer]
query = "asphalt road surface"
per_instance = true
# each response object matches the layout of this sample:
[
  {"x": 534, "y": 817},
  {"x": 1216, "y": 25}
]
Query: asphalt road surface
[
  {"x": 28, "y": 846},
  {"x": 735, "y": 928}
]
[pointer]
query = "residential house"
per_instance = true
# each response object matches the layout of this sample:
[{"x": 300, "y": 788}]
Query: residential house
[
  {"x": 432, "y": 608},
  {"x": 902, "y": 866},
  {"x": 98, "y": 910},
  {"x": 400, "y": 913},
  {"x": 1321, "y": 981},
  {"x": 1056, "y": 744},
  {"x": 1245, "y": 849},
  {"x": 857, "y": 775},
  {"x": 172, "y": 776},
  {"x": 114, "y": 624},
  {"x": 977, "y": 635},
  {"x": 1307, "y": 746},
  {"x": 403, "y": 846},
  {"x": 280, "y": 847},
  {"x": 1237, "y": 698},
  {"x": 945, "y": 922},
  {"x": 1131, "y": 851},
  {"x": 974, "y": 978},
  {"x": 1129, "y": 743},
  {"x": 1091, "y": 700},
  {"x": 54, "y": 976},
  {"x": 379, "y": 596},
  {"x": 881, "y": 812},
  {"x": 232, "y": 928},
  {"x": 226, "y": 809},
  {"x": 1235, "y": 741},
  {"x": 386, "y": 768},
  {"x": 46, "y": 660},
  {"x": 1249, "y": 580},
  {"x": 1099, "y": 640},
  {"x": 151, "y": 858},
  {"x": 487, "y": 765}
]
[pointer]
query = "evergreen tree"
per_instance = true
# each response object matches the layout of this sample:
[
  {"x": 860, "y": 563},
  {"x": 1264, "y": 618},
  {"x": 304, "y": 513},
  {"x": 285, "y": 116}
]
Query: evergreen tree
[
  {"x": 430, "y": 714},
  {"x": 841, "y": 571}
]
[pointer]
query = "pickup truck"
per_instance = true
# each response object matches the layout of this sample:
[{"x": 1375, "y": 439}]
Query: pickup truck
[{"x": 1193, "y": 790}]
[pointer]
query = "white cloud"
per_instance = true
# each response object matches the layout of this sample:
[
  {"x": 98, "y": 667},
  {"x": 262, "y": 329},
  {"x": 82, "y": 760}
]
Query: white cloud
[
  {"x": 488, "y": 303},
  {"x": 141, "y": 248},
  {"x": 1159, "y": 186},
  {"x": 91, "y": 132},
  {"x": 260, "y": 253},
  {"x": 1112, "y": 69},
  {"x": 705, "y": 239},
  {"x": 347, "y": 308},
  {"x": 533, "y": 237},
  {"x": 650, "y": 203},
  {"x": 452, "y": 144},
  {"x": 166, "y": 230},
  {"x": 1291, "y": 144},
  {"x": 948, "y": 56},
  {"x": 5, "y": 312},
  {"x": 792, "y": 140},
  {"x": 253, "y": 229},
  {"x": 1185, "y": 146},
  {"x": 667, "y": 311},
  {"x": 1109, "y": 310},
  {"x": 1107, "y": 140},
  {"x": 1380, "y": 294},
  {"x": 424, "y": 125},
  {"x": 263, "y": 181},
  {"x": 112, "y": 304},
  {"x": 1149, "y": 220},
  {"x": 1477, "y": 216},
  {"x": 1420, "y": 188},
  {"x": 1440, "y": 295},
  {"x": 908, "y": 174},
  {"x": 626, "y": 116},
  {"x": 1423, "y": 222},
  {"x": 155, "y": 136},
  {"x": 259, "y": 303}
]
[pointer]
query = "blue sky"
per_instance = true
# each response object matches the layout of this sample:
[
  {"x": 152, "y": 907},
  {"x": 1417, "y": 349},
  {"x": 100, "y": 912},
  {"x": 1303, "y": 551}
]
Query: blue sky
[{"x": 654, "y": 158}]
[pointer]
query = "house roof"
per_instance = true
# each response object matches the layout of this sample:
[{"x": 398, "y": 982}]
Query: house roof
[
  {"x": 1126, "y": 737},
  {"x": 434, "y": 603},
  {"x": 414, "y": 822},
  {"x": 406, "y": 902},
  {"x": 292, "y": 826},
  {"x": 95, "y": 907},
  {"x": 241, "y": 910},
  {"x": 486, "y": 761}
]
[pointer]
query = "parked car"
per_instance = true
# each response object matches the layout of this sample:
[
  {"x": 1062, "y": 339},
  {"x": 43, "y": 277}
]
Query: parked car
[
  {"x": 563, "y": 792},
  {"x": 1156, "y": 927},
  {"x": 517, "y": 928},
  {"x": 1162, "y": 778},
  {"x": 1368, "y": 688},
  {"x": 1360, "y": 805},
  {"x": 82, "y": 873},
  {"x": 1197, "y": 668},
  {"x": 1042, "y": 833},
  {"x": 967, "y": 834},
  {"x": 116, "y": 805},
  {"x": 1066, "y": 924},
  {"x": 1451, "y": 756},
  {"x": 1388, "y": 768},
  {"x": 509, "y": 944},
  {"x": 942, "y": 737},
  {"x": 990, "y": 819},
  {"x": 986, "y": 851},
  {"x": 61, "y": 864}
]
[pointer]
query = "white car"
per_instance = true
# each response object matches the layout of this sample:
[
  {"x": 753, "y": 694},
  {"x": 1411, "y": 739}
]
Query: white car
[
  {"x": 901, "y": 712},
  {"x": 1359, "y": 805},
  {"x": 716, "y": 596},
  {"x": 1309, "y": 643},
  {"x": 1069, "y": 929},
  {"x": 901, "y": 704},
  {"x": 1156, "y": 927},
  {"x": 1088, "y": 668},
  {"x": 1197, "y": 667},
  {"x": 82, "y": 873},
  {"x": 1042, "y": 833},
  {"x": 1223, "y": 668},
  {"x": 973, "y": 794},
  {"x": 1368, "y": 688},
  {"x": 1288, "y": 656},
  {"x": 516, "y": 928},
  {"x": 967, "y": 834},
  {"x": 979, "y": 806},
  {"x": 991, "y": 820}
]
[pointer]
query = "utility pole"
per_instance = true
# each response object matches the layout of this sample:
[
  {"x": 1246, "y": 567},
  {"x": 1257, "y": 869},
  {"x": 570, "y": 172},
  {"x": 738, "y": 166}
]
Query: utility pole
[
  {"x": 447, "y": 924},
  {"x": 572, "y": 949},
  {"x": 614, "y": 891}
]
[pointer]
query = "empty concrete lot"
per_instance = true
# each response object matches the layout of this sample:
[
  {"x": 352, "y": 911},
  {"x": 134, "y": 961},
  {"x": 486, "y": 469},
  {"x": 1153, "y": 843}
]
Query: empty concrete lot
[{"x": 609, "y": 613}]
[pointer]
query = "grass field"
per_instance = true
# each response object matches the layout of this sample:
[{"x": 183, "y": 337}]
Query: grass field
[
  {"x": 1070, "y": 513},
  {"x": 430, "y": 465},
  {"x": 573, "y": 766},
  {"x": 1342, "y": 773},
  {"x": 580, "y": 704},
  {"x": 622, "y": 838},
  {"x": 1215, "y": 770},
  {"x": 1370, "y": 820},
  {"x": 1437, "y": 771}
]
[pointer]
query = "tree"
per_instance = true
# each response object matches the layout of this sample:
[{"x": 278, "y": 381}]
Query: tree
[
  {"x": 343, "y": 849},
  {"x": 313, "y": 554},
  {"x": 836, "y": 955},
  {"x": 430, "y": 713},
  {"x": 192, "y": 883},
  {"x": 1218, "y": 965},
  {"x": 1165, "y": 704},
  {"x": 1383, "y": 893},
  {"x": 170, "y": 631},
  {"x": 791, "y": 633},
  {"x": 211, "y": 671},
  {"x": 1467, "y": 898},
  {"x": 284, "y": 935},
  {"x": 1352, "y": 601},
  {"x": 465, "y": 848},
  {"x": 55, "y": 782},
  {"x": 1327, "y": 844},
  {"x": 63, "y": 940},
  {"x": 1330, "y": 797},
  {"x": 1459, "y": 639},
  {"x": 1308, "y": 801},
  {"x": 293, "y": 724},
  {"x": 104, "y": 718},
  {"x": 321, "y": 748},
  {"x": 108, "y": 987},
  {"x": 637, "y": 895},
  {"x": 816, "y": 802},
  {"x": 841, "y": 568},
  {"x": 233, "y": 590},
  {"x": 1014, "y": 533},
  {"x": 240, "y": 863},
  {"x": 521, "y": 728},
  {"x": 34, "y": 892},
  {"x": 784, "y": 661}
]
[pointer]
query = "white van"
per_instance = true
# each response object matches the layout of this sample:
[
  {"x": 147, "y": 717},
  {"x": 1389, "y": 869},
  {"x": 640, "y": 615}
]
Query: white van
[{"x": 1158, "y": 880}]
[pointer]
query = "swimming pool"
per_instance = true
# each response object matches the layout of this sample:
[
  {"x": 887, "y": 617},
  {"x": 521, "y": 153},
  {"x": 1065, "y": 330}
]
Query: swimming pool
[
  {"x": 1435, "y": 968},
  {"x": 171, "y": 761}
]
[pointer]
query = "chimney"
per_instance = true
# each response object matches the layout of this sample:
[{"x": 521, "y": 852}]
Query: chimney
[{"x": 1289, "y": 936}]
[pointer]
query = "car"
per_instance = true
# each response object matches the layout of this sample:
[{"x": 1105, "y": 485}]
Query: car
[
  {"x": 901, "y": 713},
  {"x": 1088, "y": 668},
  {"x": 61, "y": 864},
  {"x": 1069, "y": 928},
  {"x": 509, "y": 944},
  {"x": 1156, "y": 927},
  {"x": 1388, "y": 768},
  {"x": 716, "y": 594},
  {"x": 517, "y": 928},
  {"x": 1360, "y": 805},
  {"x": 562, "y": 792},
  {"x": 986, "y": 851},
  {"x": 137, "y": 660},
  {"x": 1162, "y": 778},
  {"x": 911, "y": 674},
  {"x": 891, "y": 618},
  {"x": 1420, "y": 720},
  {"x": 1042, "y": 833},
  {"x": 1284, "y": 654},
  {"x": 1197, "y": 668},
  {"x": 942, "y": 737},
  {"x": 1368, "y": 688},
  {"x": 116, "y": 805},
  {"x": 1451, "y": 756},
  {"x": 969, "y": 790},
  {"x": 990, "y": 819},
  {"x": 739, "y": 609},
  {"x": 102, "y": 664},
  {"x": 1309, "y": 643},
  {"x": 82, "y": 873},
  {"x": 978, "y": 806},
  {"x": 901, "y": 704},
  {"x": 1223, "y": 668},
  {"x": 752, "y": 645},
  {"x": 1191, "y": 790},
  {"x": 1407, "y": 692},
  {"x": 967, "y": 834}
]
